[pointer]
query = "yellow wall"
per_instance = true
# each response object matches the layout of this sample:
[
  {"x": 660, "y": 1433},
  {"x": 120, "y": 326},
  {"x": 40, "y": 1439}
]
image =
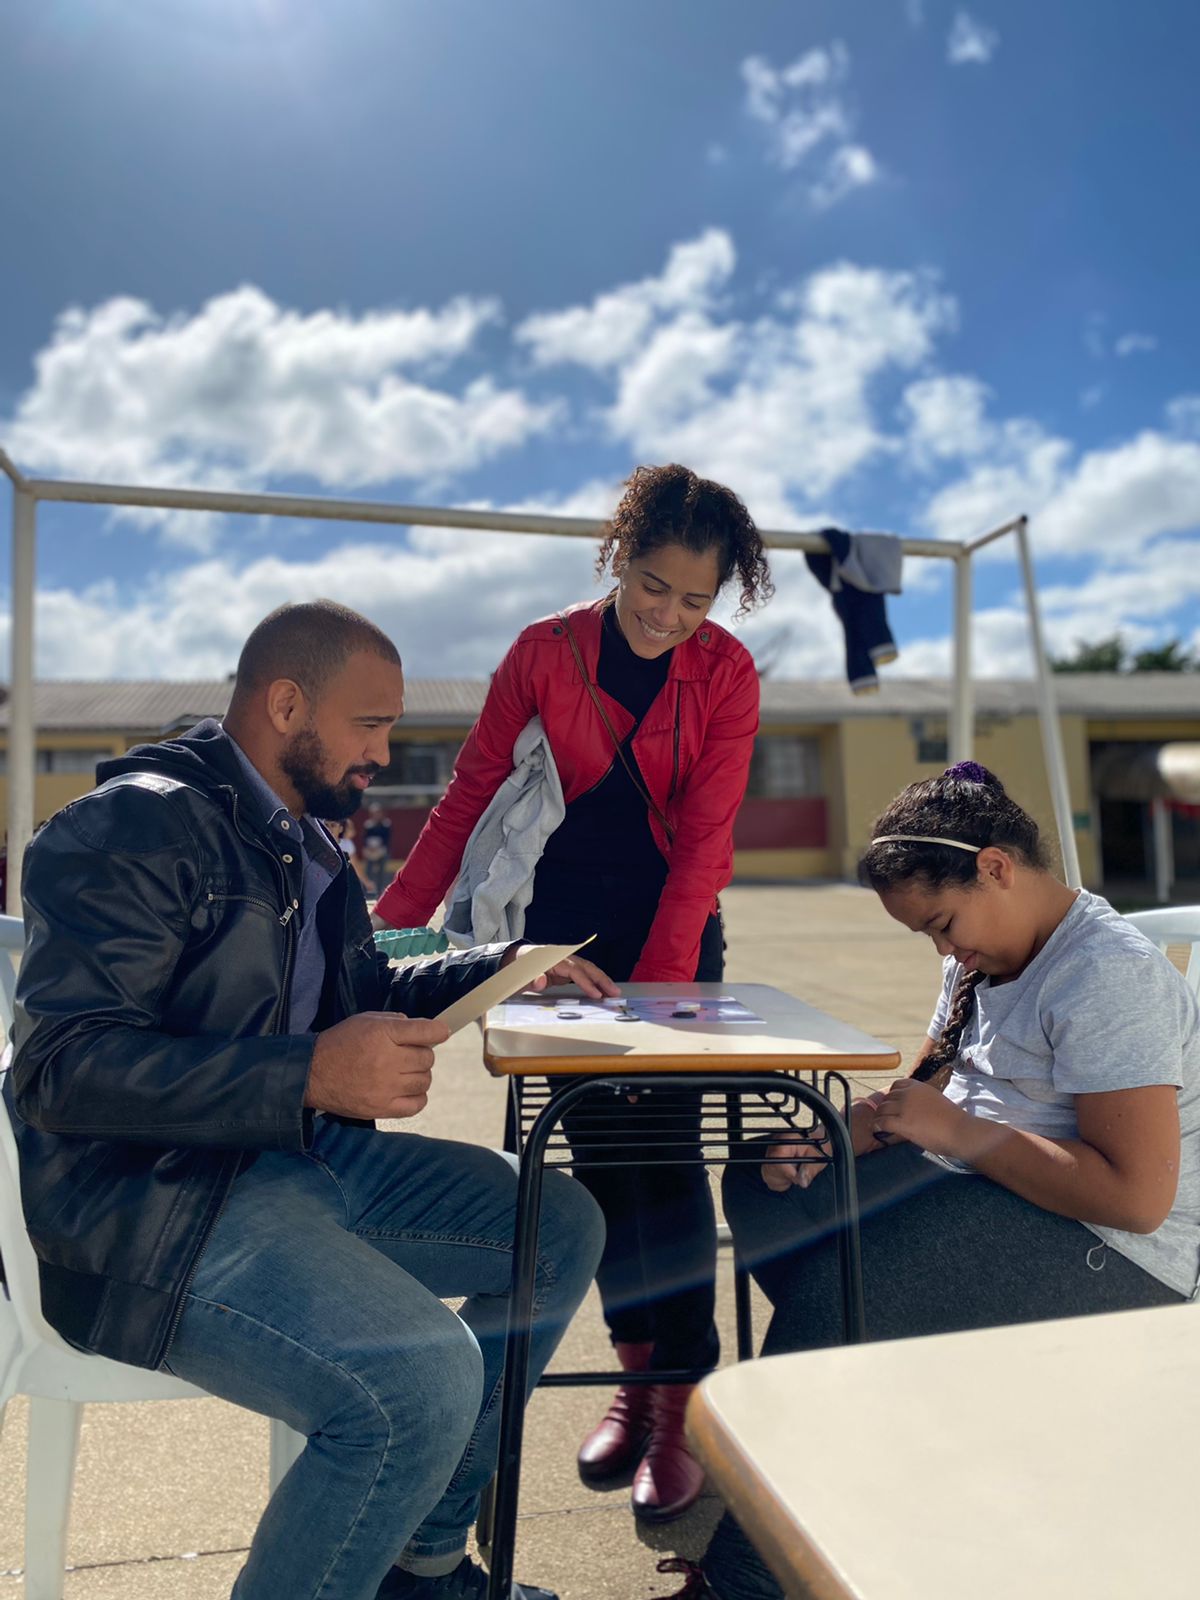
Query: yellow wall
[
  {"x": 879, "y": 759},
  {"x": 864, "y": 762},
  {"x": 1152, "y": 731},
  {"x": 748, "y": 864},
  {"x": 52, "y": 790}
]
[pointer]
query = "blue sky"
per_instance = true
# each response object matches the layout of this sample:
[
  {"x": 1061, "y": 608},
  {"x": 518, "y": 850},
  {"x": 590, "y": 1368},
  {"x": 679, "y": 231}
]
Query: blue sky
[{"x": 910, "y": 266}]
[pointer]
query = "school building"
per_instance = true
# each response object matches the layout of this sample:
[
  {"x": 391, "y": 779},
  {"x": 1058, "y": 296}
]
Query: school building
[{"x": 825, "y": 764}]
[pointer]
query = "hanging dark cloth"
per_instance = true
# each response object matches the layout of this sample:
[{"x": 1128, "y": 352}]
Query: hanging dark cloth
[{"x": 858, "y": 570}]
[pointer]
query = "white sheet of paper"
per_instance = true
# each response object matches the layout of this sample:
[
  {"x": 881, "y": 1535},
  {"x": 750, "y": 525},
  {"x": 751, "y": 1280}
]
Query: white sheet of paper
[{"x": 510, "y": 980}]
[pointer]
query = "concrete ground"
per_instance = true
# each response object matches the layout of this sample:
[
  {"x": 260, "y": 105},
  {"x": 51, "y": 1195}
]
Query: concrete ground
[{"x": 167, "y": 1495}]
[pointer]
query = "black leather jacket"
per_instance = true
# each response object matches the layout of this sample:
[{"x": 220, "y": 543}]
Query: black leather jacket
[{"x": 151, "y": 1059}]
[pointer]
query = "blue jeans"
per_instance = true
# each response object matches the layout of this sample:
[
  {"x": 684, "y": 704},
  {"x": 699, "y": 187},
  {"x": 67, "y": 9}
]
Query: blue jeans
[{"x": 318, "y": 1300}]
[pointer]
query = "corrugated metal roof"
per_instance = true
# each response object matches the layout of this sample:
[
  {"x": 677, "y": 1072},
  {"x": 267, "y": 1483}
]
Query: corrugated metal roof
[
  {"x": 1106, "y": 695},
  {"x": 158, "y": 706},
  {"x": 447, "y": 698},
  {"x": 148, "y": 706}
]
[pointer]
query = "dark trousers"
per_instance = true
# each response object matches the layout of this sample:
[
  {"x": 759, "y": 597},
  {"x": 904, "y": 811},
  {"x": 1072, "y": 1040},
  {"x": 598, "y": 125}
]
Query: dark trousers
[
  {"x": 942, "y": 1253},
  {"x": 657, "y": 1276}
]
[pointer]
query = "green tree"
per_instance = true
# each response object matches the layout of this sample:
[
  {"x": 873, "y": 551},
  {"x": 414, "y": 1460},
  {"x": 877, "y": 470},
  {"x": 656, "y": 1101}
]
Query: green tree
[
  {"x": 1106, "y": 655},
  {"x": 1113, "y": 655},
  {"x": 1169, "y": 657}
]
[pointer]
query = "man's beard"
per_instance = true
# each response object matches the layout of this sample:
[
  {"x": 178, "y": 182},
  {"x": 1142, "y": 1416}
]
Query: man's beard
[{"x": 303, "y": 759}]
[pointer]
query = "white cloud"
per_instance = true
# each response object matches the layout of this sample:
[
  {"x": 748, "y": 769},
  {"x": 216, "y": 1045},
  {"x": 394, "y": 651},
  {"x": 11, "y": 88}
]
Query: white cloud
[
  {"x": 668, "y": 382},
  {"x": 946, "y": 419},
  {"x": 190, "y": 623},
  {"x": 244, "y": 391},
  {"x": 423, "y": 591},
  {"x": 851, "y": 166},
  {"x": 779, "y": 406},
  {"x": 1119, "y": 499},
  {"x": 1163, "y": 578},
  {"x": 789, "y": 396},
  {"x": 1183, "y": 415},
  {"x": 607, "y": 332},
  {"x": 1024, "y": 468},
  {"x": 970, "y": 41},
  {"x": 1135, "y": 599},
  {"x": 1108, "y": 502},
  {"x": 808, "y": 123},
  {"x": 1091, "y": 397},
  {"x": 782, "y": 407},
  {"x": 1132, "y": 344}
]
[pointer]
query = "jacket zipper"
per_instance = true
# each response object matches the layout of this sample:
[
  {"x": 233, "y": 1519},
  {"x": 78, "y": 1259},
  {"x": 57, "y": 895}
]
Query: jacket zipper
[
  {"x": 284, "y": 920},
  {"x": 254, "y": 900}
]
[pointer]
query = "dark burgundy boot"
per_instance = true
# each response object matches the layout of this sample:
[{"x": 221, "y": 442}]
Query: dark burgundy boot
[
  {"x": 670, "y": 1478},
  {"x": 616, "y": 1444}
]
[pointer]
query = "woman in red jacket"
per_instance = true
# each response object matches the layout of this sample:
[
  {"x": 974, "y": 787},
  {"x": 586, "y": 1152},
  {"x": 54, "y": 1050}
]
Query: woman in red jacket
[{"x": 653, "y": 766}]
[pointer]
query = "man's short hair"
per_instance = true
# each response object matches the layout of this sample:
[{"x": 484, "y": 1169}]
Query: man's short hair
[{"x": 309, "y": 642}]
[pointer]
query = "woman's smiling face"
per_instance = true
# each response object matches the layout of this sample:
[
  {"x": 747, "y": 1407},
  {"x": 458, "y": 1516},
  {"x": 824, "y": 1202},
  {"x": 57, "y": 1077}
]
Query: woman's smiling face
[{"x": 664, "y": 596}]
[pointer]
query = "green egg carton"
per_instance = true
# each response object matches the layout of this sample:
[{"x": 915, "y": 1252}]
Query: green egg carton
[{"x": 400, "y": 944}]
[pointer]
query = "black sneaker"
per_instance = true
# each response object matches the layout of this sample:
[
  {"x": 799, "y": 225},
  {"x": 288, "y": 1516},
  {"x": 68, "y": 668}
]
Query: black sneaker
[{"x": 468, "y": 1581}]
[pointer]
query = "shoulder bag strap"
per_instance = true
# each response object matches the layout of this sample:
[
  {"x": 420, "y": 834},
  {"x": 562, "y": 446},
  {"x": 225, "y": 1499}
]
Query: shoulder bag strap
[{"x": 634, "y": 777}]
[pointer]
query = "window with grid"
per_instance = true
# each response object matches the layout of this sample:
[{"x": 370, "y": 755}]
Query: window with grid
[{"x": 785, "y": 767}]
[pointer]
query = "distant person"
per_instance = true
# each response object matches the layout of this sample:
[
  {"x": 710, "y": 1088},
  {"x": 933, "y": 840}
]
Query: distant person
[
  {"x": 376, "y": 849},
  {"x": 649, "y": 710},
  {"x": 1043, "y": 1160},
  {"x": 204, "y": 1033},
  {"x": 347, "y": 843}
]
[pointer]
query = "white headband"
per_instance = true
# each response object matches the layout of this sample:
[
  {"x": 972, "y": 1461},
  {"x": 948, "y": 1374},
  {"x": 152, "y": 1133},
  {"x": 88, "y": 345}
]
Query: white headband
[{"x": 925, "y": 838}]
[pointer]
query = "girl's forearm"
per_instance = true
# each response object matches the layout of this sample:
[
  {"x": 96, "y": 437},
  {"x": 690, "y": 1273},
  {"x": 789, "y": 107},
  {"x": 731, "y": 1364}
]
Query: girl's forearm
[{"x": 1067, "y": 1176}]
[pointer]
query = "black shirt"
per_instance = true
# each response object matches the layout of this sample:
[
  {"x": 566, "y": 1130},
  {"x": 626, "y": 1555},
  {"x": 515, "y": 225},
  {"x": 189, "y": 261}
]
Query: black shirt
[{"x": 603, "y": 853}]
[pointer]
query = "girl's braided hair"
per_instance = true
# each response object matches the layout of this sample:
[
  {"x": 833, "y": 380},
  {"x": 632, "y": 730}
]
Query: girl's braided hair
[
  {"x": 968, "y": 803},
  {"x": 936, "y": 1067},
  {"x": 671, "y": 505}
]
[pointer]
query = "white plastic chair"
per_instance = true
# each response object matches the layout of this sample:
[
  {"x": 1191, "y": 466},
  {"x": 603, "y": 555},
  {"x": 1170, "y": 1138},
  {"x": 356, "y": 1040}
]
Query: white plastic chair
[
  {"x": 1174, "y": 925},
  {"x": 59, "y": 1379}
]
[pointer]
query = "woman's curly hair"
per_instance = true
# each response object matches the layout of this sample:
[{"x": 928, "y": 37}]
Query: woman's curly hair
[{"x": 671, "y": 505}]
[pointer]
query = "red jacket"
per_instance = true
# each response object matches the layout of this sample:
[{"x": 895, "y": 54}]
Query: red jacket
[{"x": 693, "y": 749}]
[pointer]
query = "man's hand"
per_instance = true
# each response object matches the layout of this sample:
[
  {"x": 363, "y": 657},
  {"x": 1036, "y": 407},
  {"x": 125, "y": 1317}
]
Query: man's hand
[
  {"x": 585, "y": 975},
  {"x": 377, "y": 1064}
]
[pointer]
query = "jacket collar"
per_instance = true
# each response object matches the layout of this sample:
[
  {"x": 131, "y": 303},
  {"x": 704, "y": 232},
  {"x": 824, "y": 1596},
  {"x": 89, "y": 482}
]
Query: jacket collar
[{"x": 205, "y": 758}]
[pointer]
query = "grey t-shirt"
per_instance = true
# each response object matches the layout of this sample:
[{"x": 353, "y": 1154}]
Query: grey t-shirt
[{"x": 1099, "y": 1008}]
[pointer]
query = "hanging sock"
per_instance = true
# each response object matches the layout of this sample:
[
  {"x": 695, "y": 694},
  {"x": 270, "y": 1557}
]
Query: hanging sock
[{"x": 858, "y": 570}]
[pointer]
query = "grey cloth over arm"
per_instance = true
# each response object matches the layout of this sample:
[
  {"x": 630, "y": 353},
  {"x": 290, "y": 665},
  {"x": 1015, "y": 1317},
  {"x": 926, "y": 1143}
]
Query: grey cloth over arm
[
  {"x": 874, "y": 563},
  {"x": 491, "y": 895}
]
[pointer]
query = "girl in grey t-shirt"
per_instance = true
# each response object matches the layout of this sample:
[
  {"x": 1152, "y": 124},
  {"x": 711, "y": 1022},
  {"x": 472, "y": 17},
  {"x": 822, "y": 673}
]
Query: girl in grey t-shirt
[{"x": 1043, "y": 1160}]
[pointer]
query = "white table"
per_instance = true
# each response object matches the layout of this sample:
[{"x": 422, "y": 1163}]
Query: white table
[
  {"x": 792, "y": 1037},
  {"x": 1054, "y": 1459}
]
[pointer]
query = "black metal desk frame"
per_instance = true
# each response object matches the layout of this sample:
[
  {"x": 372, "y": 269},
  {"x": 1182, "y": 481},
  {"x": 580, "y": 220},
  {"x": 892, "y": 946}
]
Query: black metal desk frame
[{"x": 774, "y": 1090}]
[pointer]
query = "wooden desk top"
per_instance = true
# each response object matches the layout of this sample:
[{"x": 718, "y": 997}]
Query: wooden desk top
[
  {"x": 793, "y": 1036},
  {"x": 1055, "y": 1459}
]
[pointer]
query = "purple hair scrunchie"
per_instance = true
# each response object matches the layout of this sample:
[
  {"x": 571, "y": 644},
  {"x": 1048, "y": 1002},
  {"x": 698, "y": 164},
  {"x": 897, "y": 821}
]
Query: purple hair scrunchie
[{"x": 971, "y": 771}]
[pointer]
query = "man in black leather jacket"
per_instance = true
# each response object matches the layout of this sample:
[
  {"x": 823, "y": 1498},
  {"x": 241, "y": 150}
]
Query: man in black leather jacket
[{"x": 204, "y": 1033}]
